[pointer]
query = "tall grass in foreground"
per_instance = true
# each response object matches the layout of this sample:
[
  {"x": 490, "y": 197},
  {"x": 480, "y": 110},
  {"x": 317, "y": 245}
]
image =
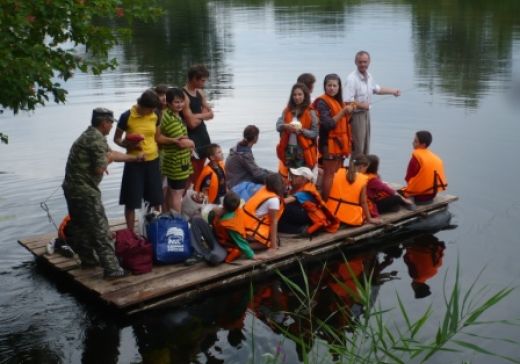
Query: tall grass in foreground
[{"x": 375, "y": 337}]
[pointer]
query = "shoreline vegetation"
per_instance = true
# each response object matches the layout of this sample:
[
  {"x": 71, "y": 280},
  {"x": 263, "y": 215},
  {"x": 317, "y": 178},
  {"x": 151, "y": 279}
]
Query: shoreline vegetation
[{"x": 375, "y": 334}]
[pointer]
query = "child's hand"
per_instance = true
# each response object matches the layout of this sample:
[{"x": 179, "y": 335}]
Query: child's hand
[
  {"x": 406, "y": 200},
  {"x": 129, "y": 145},
  {"x": 139, "y": 157},
  {"x": 198, "y": 197},
  {"x": 375, "y": 220},
  {"x": 291, "y": 128},
  {"x": 133, "y": 141},
  {"x": 208, "y": 113},
  {"x": 186, "y": 143},
  {"x": 349, "y": 107}
]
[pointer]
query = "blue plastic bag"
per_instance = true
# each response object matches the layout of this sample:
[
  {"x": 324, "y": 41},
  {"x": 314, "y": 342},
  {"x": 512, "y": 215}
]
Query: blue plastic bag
[{"x": 170, "y": 238}]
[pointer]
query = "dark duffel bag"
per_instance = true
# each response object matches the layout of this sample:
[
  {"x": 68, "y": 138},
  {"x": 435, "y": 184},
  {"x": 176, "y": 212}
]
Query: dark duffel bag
[{"x": 134, "y": 252}]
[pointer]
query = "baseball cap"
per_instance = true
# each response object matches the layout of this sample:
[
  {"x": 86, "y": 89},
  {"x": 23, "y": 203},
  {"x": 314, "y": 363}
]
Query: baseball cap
[
  {"x": 302, "y": 171},
  {"x": 101, "y": 112}
]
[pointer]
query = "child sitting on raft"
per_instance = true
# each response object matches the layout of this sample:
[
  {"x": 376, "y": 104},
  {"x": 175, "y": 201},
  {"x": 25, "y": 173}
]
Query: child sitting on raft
[
  {"x": 228, "y": 232},
  {"x": 212, "y": 178},
  {"x": 425, "y": 174},
  {"x": 381, "y": 197},
  {"x": 348, "y": 195},
  {"x": 262, "y": 211},
  {"x": 305, "y": 211},
  {"x": 229, "y": 228}
]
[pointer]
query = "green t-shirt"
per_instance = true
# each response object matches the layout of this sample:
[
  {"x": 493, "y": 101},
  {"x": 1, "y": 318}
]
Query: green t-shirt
[{"x": 175, "y": 161}]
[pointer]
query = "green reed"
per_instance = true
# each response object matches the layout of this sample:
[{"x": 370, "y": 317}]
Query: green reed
[{"x": 374, "y": 337}]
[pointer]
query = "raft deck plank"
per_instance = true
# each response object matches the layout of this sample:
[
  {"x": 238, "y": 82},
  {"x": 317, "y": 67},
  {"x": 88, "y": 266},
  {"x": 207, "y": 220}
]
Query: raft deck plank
[{"x": 175, "y": 283}]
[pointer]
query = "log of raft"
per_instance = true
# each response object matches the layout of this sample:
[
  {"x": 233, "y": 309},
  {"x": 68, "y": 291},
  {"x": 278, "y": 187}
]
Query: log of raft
[{"x": 174, "y": 284}]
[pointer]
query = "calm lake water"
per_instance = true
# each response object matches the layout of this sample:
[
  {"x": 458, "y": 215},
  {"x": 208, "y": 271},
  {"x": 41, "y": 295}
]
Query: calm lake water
[{"x": 458, "y": 66}]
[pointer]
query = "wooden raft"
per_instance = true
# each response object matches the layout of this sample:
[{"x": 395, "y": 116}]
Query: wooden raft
[{"x": 177, "y": 283}]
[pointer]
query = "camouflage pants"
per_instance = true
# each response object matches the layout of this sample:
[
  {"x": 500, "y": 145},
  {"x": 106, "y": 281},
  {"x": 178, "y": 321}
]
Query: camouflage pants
[{"x": 89, "y": 232}]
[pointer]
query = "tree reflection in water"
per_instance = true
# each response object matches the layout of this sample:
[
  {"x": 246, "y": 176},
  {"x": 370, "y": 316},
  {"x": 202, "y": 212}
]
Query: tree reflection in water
[{"x": 460, "y": 46}]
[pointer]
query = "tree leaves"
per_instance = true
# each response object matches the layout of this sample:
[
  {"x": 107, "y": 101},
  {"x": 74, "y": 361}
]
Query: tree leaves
[{"x": 40, "y": 41}]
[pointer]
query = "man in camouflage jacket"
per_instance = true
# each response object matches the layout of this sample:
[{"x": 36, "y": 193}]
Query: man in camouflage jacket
[{"x": 88, "y": 229}]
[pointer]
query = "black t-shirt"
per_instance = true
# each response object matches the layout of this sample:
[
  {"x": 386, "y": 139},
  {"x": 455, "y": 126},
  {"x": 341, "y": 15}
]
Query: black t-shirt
[{"x": 199, "y": 134}]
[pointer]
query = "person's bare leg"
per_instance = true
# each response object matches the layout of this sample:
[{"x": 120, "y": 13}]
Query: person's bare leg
[
  {"x": 329, "y": 168},
  {"x": 165, "y": 189},
  {"x": 176, "y": 200},
  {"x": 130, "y": 218}
]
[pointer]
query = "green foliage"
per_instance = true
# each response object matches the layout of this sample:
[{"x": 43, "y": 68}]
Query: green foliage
[
  {"x": 374, "y": 338},
  {"x": 43, "y": 42}
]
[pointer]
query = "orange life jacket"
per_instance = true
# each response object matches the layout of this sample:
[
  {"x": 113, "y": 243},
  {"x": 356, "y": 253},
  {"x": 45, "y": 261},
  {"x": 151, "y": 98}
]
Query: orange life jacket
[
  {"x": 430, "y": 179},
  {"x": 310, "y": 151},
  {"x": 339, "y": 138},
  {"x": 221, "y": 228},
  {"x": 269, "y": 296},
  {"x": 344, "y": 277},
  {"x": 423, "y": 261},
  {"x": 318, "y": 211},
  {"x": 283, "y": 171},
  {"x": 63, "y": 227},
  {"x": 214, "y": 182},
  {"x": 258, "y": 229},
  {"x": 344, "y": 198}
]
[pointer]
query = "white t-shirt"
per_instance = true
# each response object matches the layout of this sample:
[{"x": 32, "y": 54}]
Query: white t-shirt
[
  {"x": 360, "y": 88},
  {"x": 272, "y": 204}
]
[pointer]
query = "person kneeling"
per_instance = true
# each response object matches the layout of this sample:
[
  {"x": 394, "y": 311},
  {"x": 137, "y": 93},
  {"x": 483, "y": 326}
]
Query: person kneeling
[{"x": 305, "y": 210}]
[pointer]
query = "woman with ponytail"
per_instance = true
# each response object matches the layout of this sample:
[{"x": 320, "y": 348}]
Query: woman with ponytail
[{"x": 348, "y": 195}]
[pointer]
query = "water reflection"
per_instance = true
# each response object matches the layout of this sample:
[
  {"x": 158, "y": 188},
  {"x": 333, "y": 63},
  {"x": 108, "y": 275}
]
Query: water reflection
[
  {"x": 460, "y": 58},
  {"x": 227, "y": 326},
  {"x": 195, "y": 31},
  {"x": 182, "y": 336},
  {"x": 22, "y": 350},
  {"x": 101, "y": 341},
  {"x": 463, "y": 47},
  {"x": 423, "y": 258},
  {"x": 463, "y": 50}
]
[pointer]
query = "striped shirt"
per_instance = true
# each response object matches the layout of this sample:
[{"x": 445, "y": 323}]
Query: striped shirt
[{"x": 175, "y": 161}]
